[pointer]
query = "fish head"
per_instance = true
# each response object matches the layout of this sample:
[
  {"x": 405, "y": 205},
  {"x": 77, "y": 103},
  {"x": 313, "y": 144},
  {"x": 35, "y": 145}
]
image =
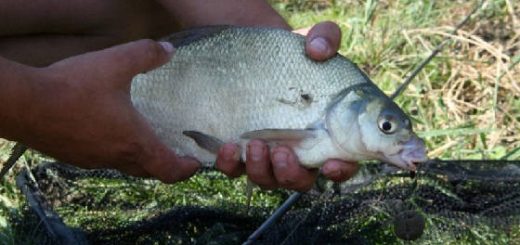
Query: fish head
[
  {"x": 387, "y": 132},
  {"x": 368, "y": 124}
]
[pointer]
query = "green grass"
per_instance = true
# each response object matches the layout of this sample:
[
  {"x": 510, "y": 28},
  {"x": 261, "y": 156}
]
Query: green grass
[
  {"x": 134, "y": 201},
  {"x": 465, "y": 102}
]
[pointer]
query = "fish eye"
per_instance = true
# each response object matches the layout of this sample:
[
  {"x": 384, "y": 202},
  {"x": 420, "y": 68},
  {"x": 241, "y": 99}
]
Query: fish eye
[{"x": 387, "y": 124}]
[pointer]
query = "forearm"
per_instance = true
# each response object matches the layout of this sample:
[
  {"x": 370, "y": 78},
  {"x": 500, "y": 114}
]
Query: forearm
[
  {"x": 11, "y": 82},
  {"x": 14, "y": 94},
  {"x": 191, "y": 13}
]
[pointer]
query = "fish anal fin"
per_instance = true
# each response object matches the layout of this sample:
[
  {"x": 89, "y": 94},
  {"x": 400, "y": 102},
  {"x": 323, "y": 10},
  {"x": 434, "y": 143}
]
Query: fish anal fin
[{"x": 204, "y": 141}]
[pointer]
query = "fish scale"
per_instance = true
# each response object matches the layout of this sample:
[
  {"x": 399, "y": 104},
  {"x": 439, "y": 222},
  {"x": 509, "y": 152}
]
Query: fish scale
[{"x": 235, "y": 80}]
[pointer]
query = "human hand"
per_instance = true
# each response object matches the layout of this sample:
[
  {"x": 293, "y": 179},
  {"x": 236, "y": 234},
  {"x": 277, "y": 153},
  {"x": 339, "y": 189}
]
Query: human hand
[
  {"x": 79, "y": 111},
  {"x": 279, "y": 167},
  {"x": 322, "y": 40}
]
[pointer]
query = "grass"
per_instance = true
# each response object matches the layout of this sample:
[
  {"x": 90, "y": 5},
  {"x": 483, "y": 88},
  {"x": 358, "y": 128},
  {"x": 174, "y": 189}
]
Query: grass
[{"x": 465, "y": 103}]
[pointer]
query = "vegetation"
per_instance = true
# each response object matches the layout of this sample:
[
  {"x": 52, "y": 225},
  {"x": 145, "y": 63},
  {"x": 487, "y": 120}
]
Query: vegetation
[{"x": 465, "y": 102}]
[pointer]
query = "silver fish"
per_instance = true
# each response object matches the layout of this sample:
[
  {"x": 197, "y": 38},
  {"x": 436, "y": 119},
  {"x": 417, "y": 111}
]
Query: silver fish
[{"x": 232, "y": 84}]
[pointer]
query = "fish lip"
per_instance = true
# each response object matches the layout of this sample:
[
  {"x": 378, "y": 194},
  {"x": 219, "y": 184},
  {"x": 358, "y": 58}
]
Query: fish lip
[
  {"x": 410, "y": 156},
  {"x": 397, "y": 160}
]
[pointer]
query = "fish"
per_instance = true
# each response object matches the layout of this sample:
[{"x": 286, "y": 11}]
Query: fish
[{"x": 234, "y": 84}]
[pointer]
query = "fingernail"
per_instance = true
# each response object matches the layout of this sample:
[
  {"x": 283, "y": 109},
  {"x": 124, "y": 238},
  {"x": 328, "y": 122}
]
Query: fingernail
[
  {"x": 167, "y": 46},
  {"x": 256, "y": 151},
  {"x": 320, "y": 45},
  {"x": 280, "y": 159}
]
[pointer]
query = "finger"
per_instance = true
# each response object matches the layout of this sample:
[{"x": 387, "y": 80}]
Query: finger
[
  {"x": 166, "y": 166},
  {"x": 228, "y": 161},
  {"x": 124, "y": 61},
  {"x": 339, "y": 171},
  {"x": 138, "y": 56},
  {"x": 288, "y": 172},
  {"x": 258, "y": 166},
  {"x": 323, "y": 40}
]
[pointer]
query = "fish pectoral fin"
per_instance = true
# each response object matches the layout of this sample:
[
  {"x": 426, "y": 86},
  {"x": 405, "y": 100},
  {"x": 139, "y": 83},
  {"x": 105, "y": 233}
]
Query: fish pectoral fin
[
  {"x": 280, "y": 135},
  {"x": 204, "y": 141}
]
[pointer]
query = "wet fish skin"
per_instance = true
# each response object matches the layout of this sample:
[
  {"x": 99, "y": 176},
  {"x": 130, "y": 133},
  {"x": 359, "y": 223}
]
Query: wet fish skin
[{"x": 234, "y": 84}]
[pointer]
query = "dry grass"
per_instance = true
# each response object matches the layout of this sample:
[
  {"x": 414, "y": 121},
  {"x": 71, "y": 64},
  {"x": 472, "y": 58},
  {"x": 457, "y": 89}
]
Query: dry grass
[{"x": 482, "y": 87}]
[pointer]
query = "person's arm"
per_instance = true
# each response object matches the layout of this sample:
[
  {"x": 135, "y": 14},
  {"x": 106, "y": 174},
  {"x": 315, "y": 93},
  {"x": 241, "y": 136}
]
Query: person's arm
[
  {"x": 14, "y": 81},
  {"x": 69, "y": 111},
  {"x": 78, "y": 110},
  {"x": 193, "y": 13}
]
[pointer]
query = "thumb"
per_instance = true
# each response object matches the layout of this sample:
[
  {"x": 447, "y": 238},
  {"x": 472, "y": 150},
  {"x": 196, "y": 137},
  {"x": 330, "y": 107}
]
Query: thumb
[
  {"x": 121, "y": 62},
  {"x": 323, "y": 40},
  {"x": 138, "y": 56}
]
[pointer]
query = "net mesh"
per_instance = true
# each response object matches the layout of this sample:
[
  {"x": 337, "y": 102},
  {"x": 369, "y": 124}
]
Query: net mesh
[{"x": 447, "y": 202}]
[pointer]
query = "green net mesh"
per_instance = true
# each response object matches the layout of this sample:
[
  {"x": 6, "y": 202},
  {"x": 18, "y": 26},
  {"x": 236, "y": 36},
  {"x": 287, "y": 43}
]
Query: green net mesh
[{"x": 447, "y": 202}]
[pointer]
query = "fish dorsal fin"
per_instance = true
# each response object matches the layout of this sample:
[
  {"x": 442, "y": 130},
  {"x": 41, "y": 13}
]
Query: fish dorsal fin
[
  {"x": 280, "y": 135},
  {"x": 189, "y": 36},
  {"x": 204, "y": 141}
]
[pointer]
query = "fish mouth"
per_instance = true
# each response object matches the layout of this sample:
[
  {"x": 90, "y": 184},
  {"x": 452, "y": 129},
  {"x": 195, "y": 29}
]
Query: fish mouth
[{"x": 412, "y": 153}]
